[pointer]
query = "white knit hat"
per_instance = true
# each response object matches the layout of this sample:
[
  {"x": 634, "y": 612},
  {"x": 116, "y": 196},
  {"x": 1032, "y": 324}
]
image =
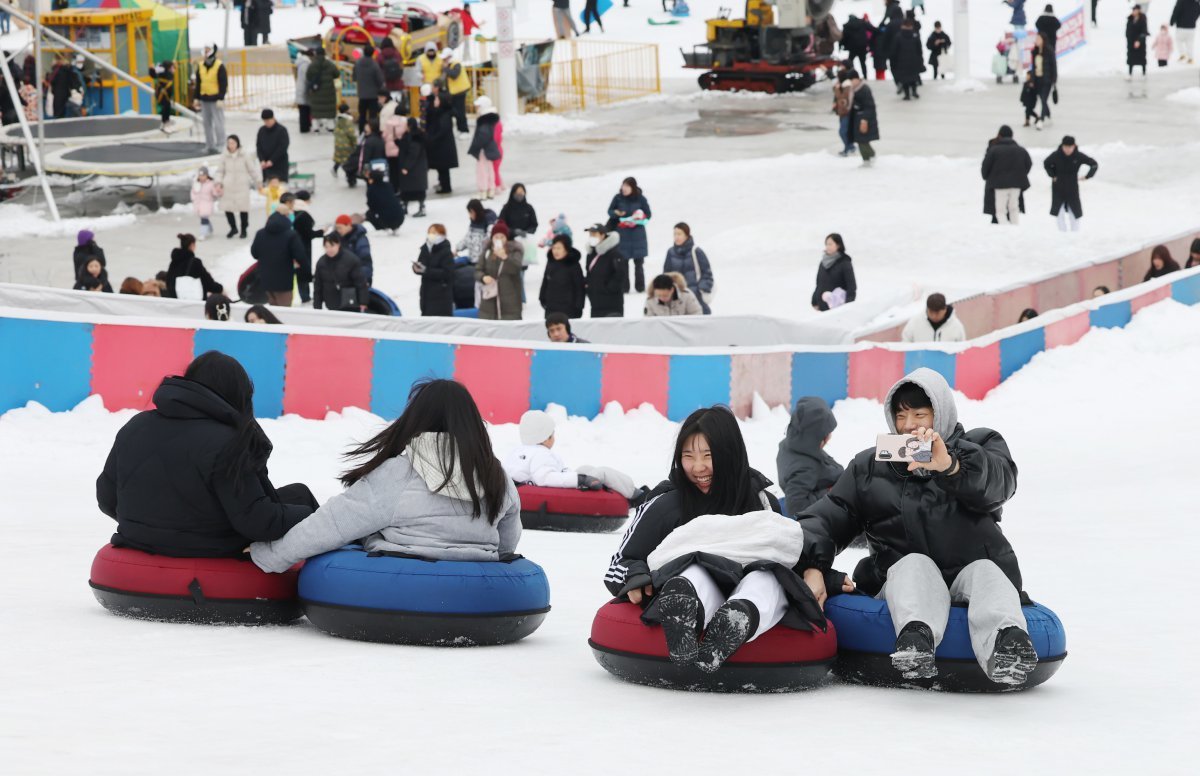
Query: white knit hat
[{"x": 536, "y": 427}]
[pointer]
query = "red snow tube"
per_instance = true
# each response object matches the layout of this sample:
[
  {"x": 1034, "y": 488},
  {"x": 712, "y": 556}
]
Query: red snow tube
[
  {"x": 781, "y": 660},
  {"x": 568, "y": 509},
  {"x": 200, "y": 590}
]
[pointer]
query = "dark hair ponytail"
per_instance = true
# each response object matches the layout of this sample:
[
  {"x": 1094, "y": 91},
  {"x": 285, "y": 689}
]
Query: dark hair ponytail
[
  {"x": 442, "y": 406},
  {"x": 249, "y": 449},
  {"x": 732, "y": 491}
]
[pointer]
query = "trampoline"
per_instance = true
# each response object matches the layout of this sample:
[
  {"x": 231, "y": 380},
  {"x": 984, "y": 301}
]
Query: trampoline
[
  {"x": 96, "y": 130},
  {"x": 138, "y": 159}
]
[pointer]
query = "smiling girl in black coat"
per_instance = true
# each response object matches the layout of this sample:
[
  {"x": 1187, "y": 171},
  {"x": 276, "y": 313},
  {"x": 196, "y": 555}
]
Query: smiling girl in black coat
[
  {"x": 835, "y": 271},
  {"x": 188, "y": 479}
]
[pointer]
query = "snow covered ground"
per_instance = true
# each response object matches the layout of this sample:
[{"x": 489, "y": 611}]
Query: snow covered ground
[{"x": 1104, "y": 530}]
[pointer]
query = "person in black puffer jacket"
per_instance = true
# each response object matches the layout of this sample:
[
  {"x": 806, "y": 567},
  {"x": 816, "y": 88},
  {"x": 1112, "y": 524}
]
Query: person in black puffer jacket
[
  {"x": 184, "y": 263},
  {"x": 933, "y": 532},
  {"x": 86, "y": 248},
  {"x": 339, "y": 282},
  {"x": 278, "y": 250},
  {"x": 189, "y": 478},
  {"x": 383, "y": 206},
  {"x": 907, "y": 59},
  {"x": 836, "y": 271},
  {"x": 1005, "y": 171},
  {"x": 562, "y": 284},
  {"x": 806, "y": 471},
  {"x": 518, "y": 213},
  {"x": 435, "y": 265},
  {"x": 605, "y": 273}
]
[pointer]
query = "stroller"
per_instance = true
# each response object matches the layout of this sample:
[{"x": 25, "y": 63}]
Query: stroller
[{"x": 1006, "y": 62}]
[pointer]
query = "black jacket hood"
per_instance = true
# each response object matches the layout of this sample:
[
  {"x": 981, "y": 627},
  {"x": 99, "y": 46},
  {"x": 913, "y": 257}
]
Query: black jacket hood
[
  {"x": 811, "y": 422},
  {"x": 184, "y": 399},
  {"x": 277, "y": 223}
]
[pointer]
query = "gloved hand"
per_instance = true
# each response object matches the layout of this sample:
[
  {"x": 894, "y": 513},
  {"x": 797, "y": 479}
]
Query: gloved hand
[{"x": 589, "y": 483}]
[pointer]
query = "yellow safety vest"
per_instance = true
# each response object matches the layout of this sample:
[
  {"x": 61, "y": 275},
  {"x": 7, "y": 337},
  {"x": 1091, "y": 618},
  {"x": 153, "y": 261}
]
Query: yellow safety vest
[
  {"x": 210, "y": 84},
  {"x": 431, "y": 70},
  {"x": 460, "y": 84}
]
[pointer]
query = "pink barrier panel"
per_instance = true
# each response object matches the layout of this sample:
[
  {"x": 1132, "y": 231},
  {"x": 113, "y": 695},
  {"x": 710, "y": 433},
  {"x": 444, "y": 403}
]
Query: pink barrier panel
[
  {"x": 978, "y": 371},
  {"x": 1059, "y": 291},
  {"x": 977, "y": 314},
  {"x": 327, "y": 374},
  {"x": 1009, "y": 306},
  {"x": 634, "y": 379},
  {"x": 1067, "y": 331},
  {"x": 1106, "y": 274},
  {"x": 768, "y": 374},
  {"x": 128, "y": 362},
  {"x": 887, "y": 335},
  {"x": 1149, "y": 298},
  {"x": 1134, "y": 267},
  {"x": 498, "y": 378},
  {"x": 873, "y": 372}
]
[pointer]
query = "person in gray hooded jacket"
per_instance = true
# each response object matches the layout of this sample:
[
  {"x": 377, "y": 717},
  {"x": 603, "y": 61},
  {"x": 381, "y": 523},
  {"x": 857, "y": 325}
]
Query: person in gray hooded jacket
[
  {"x": 806, "y": 471},
  {"x": 433, "y": 488},
  {"x": 934, "y": 535}
]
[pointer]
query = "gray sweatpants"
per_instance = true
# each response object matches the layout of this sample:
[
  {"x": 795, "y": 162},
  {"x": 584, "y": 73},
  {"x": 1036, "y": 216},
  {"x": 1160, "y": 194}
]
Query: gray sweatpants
[
  {"x": 916, "y": 592},
  {"x": 213, "y": 118},
  {"x": 611, "y": 478}
]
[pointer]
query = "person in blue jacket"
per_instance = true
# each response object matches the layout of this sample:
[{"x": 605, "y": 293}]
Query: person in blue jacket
[
  {"x": 691, "y": 262},
  {"x": 627, "y": 216}
]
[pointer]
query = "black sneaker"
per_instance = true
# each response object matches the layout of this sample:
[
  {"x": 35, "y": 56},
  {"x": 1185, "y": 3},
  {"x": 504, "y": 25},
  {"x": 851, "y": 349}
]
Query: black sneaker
[
  {"x": 913, "y": 657},
  {"x": 731, "y": 627},
  {"x": 1014, "y": 657},
  {"x": 680, "y": 613}
]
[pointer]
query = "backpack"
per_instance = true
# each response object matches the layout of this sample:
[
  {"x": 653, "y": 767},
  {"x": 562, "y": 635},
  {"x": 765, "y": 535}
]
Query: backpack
[{"x": 392, "y": 69}]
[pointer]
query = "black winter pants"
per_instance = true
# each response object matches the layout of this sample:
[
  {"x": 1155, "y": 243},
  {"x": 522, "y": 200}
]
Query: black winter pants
[
  {"x": 305, "y": 119},
  {"x": 367, "y": 109},
  {"x": 459, "y": 103},
  {"x": 443, "y": 180}
]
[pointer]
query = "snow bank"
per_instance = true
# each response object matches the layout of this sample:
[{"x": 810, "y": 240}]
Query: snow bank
[
  {"x": 26, "y": 221},
  {"x": 544, "y": 124}
]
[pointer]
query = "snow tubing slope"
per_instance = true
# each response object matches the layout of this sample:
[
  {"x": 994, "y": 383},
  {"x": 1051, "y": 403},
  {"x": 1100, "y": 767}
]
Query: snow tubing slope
[
  {"x": 781, "y": 660},
  {"x": 197, "y": 590},
  {"x": 866, "y": 639},
  {"x": 400, "y": 600},
  {"x": 568, "y": 509}
]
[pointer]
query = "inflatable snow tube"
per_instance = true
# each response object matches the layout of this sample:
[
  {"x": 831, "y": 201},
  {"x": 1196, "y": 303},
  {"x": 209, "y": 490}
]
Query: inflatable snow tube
[
  {"x": 197, "y": 590},
  {"x": 781, "y": 660},
  {"x": 466, "y": 312},
  {"x": 379, "y": 303},
  {"x": 866, "y": 640},
  {"x": 371, "y": 597},
  {"x": 568, "y": 509},
  {"x": 249, "y": 288}
]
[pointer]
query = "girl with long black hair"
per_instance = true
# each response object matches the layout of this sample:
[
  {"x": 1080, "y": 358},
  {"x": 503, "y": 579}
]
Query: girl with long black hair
[
  {"x": 671, "y": 560},
  {"x": 189, "y": 478},
  {"x": 430, "y": 486}
]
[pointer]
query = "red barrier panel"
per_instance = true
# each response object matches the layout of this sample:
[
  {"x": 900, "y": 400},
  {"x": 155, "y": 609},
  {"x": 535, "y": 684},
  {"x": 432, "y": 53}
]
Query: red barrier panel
[
  {"x": 767, "y": 374},
  {"x": 498, "y": 378},
  {"x": 1068, "y": 331},
  {"x": 633, "y": 379},
  {"x": 1058, "y": 291},
  {"x": 887, "y": 335},
  {"x": 1009, "y": 305},
  {"x": 978, "y": 371},
  {"x": 1149, "y": 298},
  {"x": 327, "y": 374},
  {"x": 873, "y": 372},
  {"x": 129, "y": 362},
  {"x": 977, "y": 314},
  {"x": 1107, "y": 274}
]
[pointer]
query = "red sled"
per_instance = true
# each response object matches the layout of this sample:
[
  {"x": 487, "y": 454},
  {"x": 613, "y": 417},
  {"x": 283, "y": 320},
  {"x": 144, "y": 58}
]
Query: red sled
[{"x": 567, "y": 509}]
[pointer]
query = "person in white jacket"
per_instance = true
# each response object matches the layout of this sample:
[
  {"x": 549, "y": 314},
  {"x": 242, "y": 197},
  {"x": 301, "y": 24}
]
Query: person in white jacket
[
  {"x": 535, "y": 462},
  {"x": 938, "y": 324}
]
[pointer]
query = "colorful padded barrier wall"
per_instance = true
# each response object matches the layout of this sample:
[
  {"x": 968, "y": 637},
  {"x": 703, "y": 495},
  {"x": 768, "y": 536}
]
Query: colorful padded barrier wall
[{"x": 60, "y": 363}]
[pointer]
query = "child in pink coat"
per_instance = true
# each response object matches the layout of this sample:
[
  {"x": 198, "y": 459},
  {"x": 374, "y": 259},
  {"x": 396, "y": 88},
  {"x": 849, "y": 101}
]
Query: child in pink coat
[
  {"x": 1163, "y": 46},
  {"x": 204, "y": 193}
]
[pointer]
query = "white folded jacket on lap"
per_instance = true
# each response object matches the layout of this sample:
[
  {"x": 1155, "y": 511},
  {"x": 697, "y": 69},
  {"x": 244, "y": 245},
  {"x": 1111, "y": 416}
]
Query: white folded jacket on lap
[{"x": 744, "y": 539}]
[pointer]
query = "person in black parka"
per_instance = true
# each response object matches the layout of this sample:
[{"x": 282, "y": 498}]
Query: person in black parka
[
  {"x": 605, "y": 276},
  {"x": 836, "y": 271},
  {"x": 339, "y": 282},
  {"x": 278, "y": 251},
  {"x": 864, "y": 123},
  {"x": 1063, "y": 168},
  {"x": 562, "y": 284},
  {"x": 184, "y": 263},
  {"x": 189, "y": 478},
  {"x": 1048, "y": 25},
  {"x": 86, "y": 248},
  {"x": 441, "y": 146},
  {"x": 306, "y": 229},
  {"x": 627, "y": 214},
  {"x": 1137, "y": 32},
  {"x": 881, "y": 43},
  {"x": 938, "y": 44},
  {"x": 907, "y": 60},
  {"x": 806, "y": 472},
  {"x": 933, "y": 532},
  {"x": 414, "y": 168},
  {"x": 855, "y": 40},
  {"x": 518, "y": 213},
  {"x": 1005, "y": 171},
  {"x": 271, "y": 146},
  {"x": 383, "y": 206},
  {"x": 435, "y": 265}
]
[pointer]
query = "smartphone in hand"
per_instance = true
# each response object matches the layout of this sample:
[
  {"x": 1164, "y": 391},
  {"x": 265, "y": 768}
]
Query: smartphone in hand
[{"x": 902, "y": 448}]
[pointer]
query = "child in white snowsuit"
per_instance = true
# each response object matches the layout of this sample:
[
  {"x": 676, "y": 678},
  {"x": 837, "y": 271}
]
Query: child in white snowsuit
[{"x": 535, "y": 462}]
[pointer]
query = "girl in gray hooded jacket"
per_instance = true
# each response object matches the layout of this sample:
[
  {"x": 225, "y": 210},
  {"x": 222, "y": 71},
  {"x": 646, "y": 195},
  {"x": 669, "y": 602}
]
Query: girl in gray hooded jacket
[{"x": 432, "y": 488}]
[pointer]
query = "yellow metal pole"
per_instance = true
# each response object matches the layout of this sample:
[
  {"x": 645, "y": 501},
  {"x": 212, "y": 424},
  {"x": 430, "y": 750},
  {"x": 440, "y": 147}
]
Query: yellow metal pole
[{"x": 245, "y": 87}]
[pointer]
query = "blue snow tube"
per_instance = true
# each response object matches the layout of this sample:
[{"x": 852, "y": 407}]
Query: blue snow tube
[
  {"x": 466, "y": 312},
  {"x": 866, "y": 640},
  {"x": 379, "y": 303},
  {"x": 399, "y": 600}
]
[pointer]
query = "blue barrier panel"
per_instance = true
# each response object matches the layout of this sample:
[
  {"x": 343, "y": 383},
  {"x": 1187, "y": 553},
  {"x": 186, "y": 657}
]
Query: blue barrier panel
[
  {"x": 1111, "y": 316},
  {"x": 697, "y": 381},
  {"x": 1186, "y": 291},
  {"x": 262, "y": 355},
  {"x": 571, "y": 378},
  {"x": 820, "y": 374},
  {"x": 944, "y": 364},
  {"x": 44, "y": 361},
  {"x": 399, "y": 364},
  {"x": 1016, "y": 351}
]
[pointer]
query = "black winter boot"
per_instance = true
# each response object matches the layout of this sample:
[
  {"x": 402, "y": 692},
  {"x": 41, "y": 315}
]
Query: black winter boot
[
  {"x": 639, "y": 497},
  {"x": 232, "y": 225},
  {"x": 913, "y": 657},
  {"x": 731, "y": 627},
  {"x": 1014, "y": 657},
  {"x": 245, "y": 224},
  {"x": 681, "y": 614}
]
